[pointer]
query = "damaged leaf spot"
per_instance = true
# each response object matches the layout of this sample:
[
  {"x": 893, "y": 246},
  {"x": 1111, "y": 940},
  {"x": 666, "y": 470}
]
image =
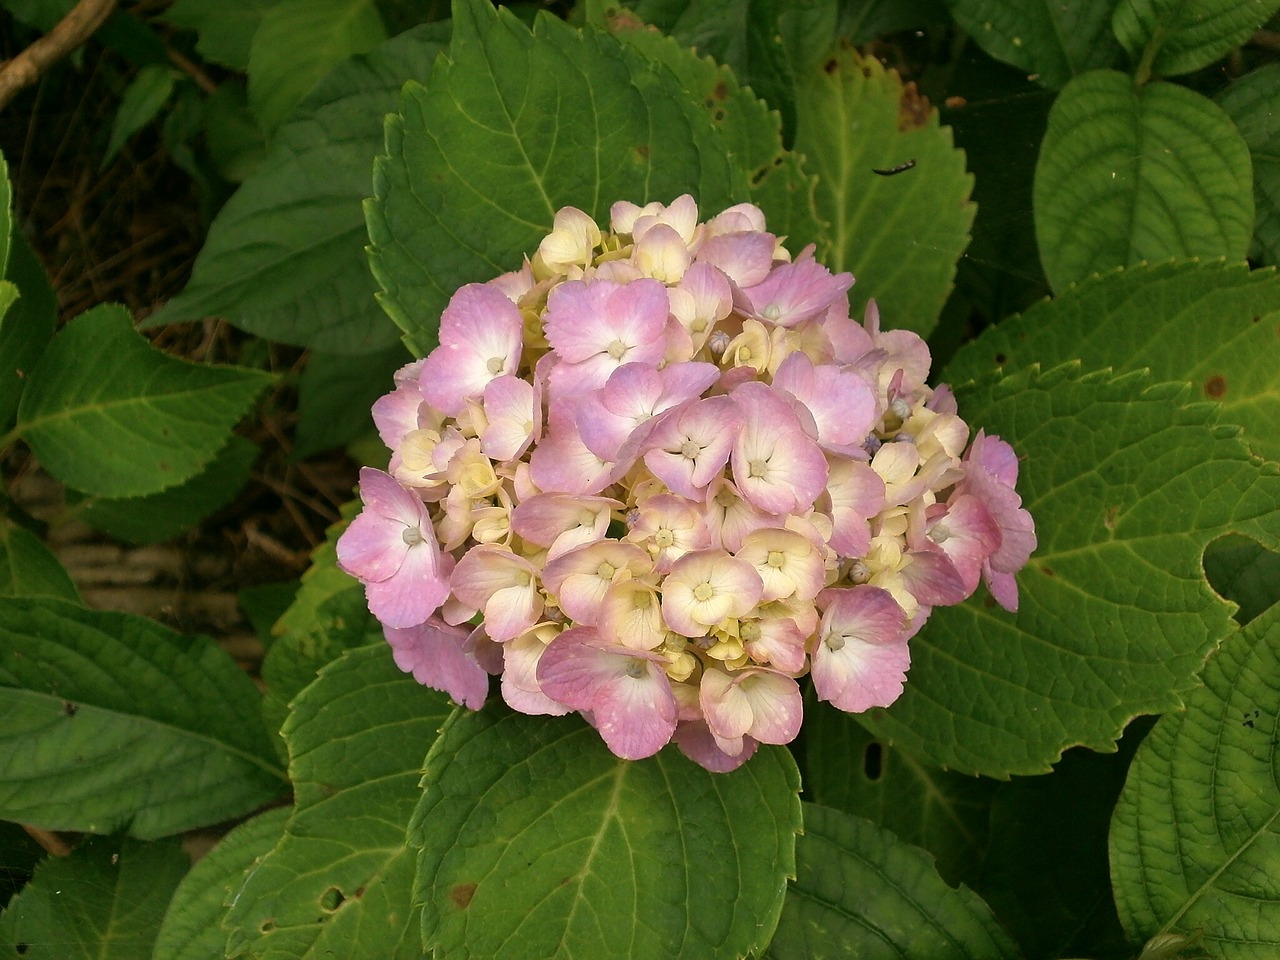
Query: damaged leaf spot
[
  {"x": 1215, "y": 388},
  {"x": 461, "y": 895},
  {"x": 913, "y": 109}
]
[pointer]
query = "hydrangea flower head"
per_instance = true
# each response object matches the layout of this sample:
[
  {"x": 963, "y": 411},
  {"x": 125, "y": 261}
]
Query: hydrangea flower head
[{"x": 660, "y": 477}]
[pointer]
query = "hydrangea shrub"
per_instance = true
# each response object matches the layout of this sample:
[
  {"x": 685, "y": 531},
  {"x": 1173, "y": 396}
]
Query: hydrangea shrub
[{"x": 658, "y": 474}]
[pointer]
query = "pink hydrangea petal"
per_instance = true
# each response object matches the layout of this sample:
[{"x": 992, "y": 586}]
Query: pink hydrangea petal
[
  {"x": 745, "y": 258},
  {"x": 867, "y": 665},
  {"x": 520, "y": 687},
  {"x": 416, "y": 591},
  {"x": 794, "y": 292},
  {"x": 372, "y": 547},
  {"x": 695, "y": 740},
  {"x": 775, "y": 465},
  {"x": 435, "y": 654}
]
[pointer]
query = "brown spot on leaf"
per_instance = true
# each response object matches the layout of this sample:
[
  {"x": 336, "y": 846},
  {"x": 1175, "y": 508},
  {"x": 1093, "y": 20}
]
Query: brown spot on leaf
[
  {"x": 1001, "y": 359},
  {"x": 642, "y": 151},
  {"x": 831, "y": 65},
  {"x": 69, "y": 708},
  {"x": 913, "y": 109},
  {"x": 721, "y": 91},
  {"x": 1109, "y": 518},
  {"x": 1048, "y": 572},
  {"x": 461, "y": 895},
  {"x": 1215, "y": 388}
]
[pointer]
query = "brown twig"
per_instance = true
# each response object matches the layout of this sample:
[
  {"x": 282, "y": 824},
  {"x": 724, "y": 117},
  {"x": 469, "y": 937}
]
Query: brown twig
[
  {"x": 73, "y": 30},
  {"x": 1268, "y": 39},
  {"x": 52, "y": 844},
  {"x": 192, "y": 70}
]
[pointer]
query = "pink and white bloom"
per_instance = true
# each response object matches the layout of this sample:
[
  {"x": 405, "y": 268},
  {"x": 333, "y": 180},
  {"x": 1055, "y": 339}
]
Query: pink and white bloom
[
  {"x": 595, "y": 326},
  {"x": 443, "y": 658},
  {"x": 706, "y": 587},
  {"x": 758, "y": 703},
  {"x": 392, "y": 548},
  {"x": 503, "y": 586},
  {"x": 624, "y": 692},
  {"x": 480, "y": 338},
  {"x": 775, "y": 464},
  {"x": 692, "y": 444},
  {"x": 860, "y": 660}
]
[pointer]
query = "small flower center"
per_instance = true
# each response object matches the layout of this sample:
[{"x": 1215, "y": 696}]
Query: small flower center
[
  {"x": 606, "y": 571},
  {"x": 749, "y": 632},
  {"x": 412, "y": 536},
  {"x": 771, "y": 312},
  {"x": 635, "y": 668},
  {"x": 664, "y": 538},
  {"x": 703, "y": 592},
  {"x": 759, "y": 468},
  {"x": 494, "y": 365},
  {"x": 834, "y": 641},
  {"x": 776, "y": 559},
  {"x": 690, "y": 450},
  {"x": 617, "y": 349}
]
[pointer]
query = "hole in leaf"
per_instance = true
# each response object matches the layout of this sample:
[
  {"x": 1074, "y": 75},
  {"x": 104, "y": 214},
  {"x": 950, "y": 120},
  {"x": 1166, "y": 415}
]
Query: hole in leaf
[
  {"x": 331, "y": 899},
  {"x": 267, "y": 925},
  {"x": 21, "y": 948},
  {"x": 873, "y": 760},
  {"x": 1244, "y": 572}
]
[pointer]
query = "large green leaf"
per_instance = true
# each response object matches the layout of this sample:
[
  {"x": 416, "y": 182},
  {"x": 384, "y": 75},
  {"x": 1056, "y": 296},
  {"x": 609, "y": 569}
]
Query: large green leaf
[
  {"x": 339, "y": 882},
  {"x": 26, "y": 326},
  {"x": 900, "y": 235},
  {"x": 1051, "y": 41},
  {"x": 1169, "y": 37},
  {"x": 1213, "y": 325},
  {"x": 113, "y": 721},
  {"x": 752, "y": 136},
  {"x": 536, "y": 841},
  {"x": 225, "y": 27},
  {"x": 285, "y": 257},
  {"x": 861, "y": 892},
  {"x": 335, "y": 394},
  {"x": 164, "y": 515},
  {"x": 297, "y": 43},
  {"x": 849, "y": 769},
  {"x": 512, "y": 126},
  {"x": 192, "y": 927},
  {"x": 108, "y": 414},
  {"x": 1251, "y": 103},
  {"x": 1127, "y": 484},
  {"x": 103, "y": 902},
  {"x": 1196, "y": 835},
  {"x": 1130, "y": 173},
  {"x": 29, "y": 569}
]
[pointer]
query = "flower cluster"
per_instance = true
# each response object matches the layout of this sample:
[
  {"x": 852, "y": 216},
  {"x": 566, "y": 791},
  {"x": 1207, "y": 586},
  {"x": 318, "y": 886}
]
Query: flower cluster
[{"x": 668, "y": 475}]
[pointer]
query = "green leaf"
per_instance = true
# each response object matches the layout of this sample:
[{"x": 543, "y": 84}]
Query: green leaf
[
  {"x": 535, "y": 840},
  {"x": 26, "y": 327},
  {"x": 192, "y": 927},
  {"x": 1051, "y": 41},
  {"x": 1213, "y": 325},
  {"x": 900, "y": 235},
  {"x": 113, "y": 721},
  {"x": 849, "y": 769},
  {"x": 1170, "y": 37},
  {"x": 1130, "y": 173},
  {"x": 327, "y": 616},
  {"x": 1250, "y": 102},
  {"x": 265, "y": 603},
  {"x": 225, "y": 27},
  {"x": 297, "y": 43},
  {"x": 1194, "y": 841},
  {"x": 1127, "y": 484},
  {"x": 142, "y": 100},
  {"x": 861, "y": 892},
  {"x": 29, "y": 569},
  {"x": 512, "y": 126},
  {"x": 234, "y": 140},
  {"x": 1045, "y": 872},
  {"x": 338, "y": 883},
  {"x": 100, "y": 388},
  {"x": 103, "y": 902},
  {"x": 285, "y": 257},
  {"x": 335, "y": 394},
  {"x": 1244, "y": 572},
  {"x": 753, "y": 138},
  {"x": 164, "y": 515}
]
